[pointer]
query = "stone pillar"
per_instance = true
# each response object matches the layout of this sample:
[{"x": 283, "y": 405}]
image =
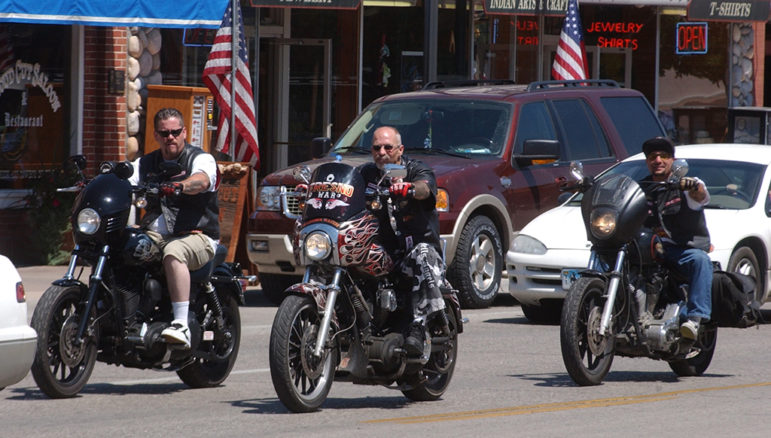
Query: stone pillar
[
  {"x": 742, "y": 65},
  {"x": 144, "y": 63}
]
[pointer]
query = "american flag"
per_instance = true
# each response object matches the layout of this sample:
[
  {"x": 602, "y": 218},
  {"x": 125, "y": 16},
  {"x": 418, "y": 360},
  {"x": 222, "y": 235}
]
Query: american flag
[
  {"x": 570, "y": 60},
  {"x": 217, "y": 75}
]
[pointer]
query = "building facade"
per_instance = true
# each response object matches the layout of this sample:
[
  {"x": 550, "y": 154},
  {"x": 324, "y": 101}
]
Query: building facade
[{"x": 75, "y": 88}]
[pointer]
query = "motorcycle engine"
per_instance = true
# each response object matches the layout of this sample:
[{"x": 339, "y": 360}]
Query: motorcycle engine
[{"x": 662, "y": 333}]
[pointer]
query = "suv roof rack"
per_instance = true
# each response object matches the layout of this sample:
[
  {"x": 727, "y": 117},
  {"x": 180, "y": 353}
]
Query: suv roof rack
[
  {"x": 466, "y": 83},
  {"x": 545, "y": 85}
]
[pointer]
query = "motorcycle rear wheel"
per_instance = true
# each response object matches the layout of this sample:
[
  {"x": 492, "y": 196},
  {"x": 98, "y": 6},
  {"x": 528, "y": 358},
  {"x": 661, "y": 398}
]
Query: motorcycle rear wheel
[
  {"x": 698, "y": 364},
  {"x": 223, "y": 350},
  {"x": 435, "y": 376},
  {"x": 301, "y": 380},
  {"x": 61, "y": 367},
  {"x": 586, "y": 355}
]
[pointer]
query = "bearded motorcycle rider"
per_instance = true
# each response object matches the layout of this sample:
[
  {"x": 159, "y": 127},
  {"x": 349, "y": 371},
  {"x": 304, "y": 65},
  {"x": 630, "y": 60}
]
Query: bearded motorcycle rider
[
  {"x": 417, "y": 245},
  {"x": 683, "y": 231},
  {"x": 184, "y": 223}
]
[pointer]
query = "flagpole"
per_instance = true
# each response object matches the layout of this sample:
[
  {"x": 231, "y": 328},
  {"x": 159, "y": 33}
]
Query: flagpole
[{"x": 235, "y": 38}]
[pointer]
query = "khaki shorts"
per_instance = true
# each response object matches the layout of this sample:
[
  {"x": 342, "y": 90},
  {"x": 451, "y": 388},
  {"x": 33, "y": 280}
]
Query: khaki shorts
[{"x": 193, "y": 250}]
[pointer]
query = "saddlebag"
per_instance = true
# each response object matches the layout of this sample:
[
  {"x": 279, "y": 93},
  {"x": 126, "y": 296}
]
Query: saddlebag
[{"x": 733, "y": 300}]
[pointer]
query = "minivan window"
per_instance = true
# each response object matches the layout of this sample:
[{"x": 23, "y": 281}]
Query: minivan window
[
  {"x": 584, "y": 139},
  {"x": 466, "y": 127},
  {"x": 634, "y": 120}
]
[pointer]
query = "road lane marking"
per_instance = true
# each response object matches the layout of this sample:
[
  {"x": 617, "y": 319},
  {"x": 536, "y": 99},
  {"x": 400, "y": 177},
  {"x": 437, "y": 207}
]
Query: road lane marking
[{"x": 558, "y": 406}]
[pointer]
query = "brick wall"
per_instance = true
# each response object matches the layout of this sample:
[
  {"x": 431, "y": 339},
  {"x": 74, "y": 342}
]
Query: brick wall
[{"x": 104, "y": 114}]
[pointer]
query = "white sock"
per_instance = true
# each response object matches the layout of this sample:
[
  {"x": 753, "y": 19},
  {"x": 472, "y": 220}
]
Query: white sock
[{"x": 180, "y": 310}]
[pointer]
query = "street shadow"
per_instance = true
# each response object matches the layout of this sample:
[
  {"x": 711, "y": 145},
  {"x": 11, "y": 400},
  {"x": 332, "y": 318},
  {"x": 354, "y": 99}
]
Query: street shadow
[
  {"x": 560, "y": 380},
  {"x": 33, "y": 393},
  {"x": 274, "y": 405}
]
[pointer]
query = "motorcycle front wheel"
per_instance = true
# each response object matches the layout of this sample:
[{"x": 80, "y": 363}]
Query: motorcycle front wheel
[
  {"x": 435, "y": 376},
  {"x": 695, "y": 366},
  {"x": 62, "y": 366},
  {"x": 216, "y": 357},
  {"x": 586, "y": 354},
  {"x": 301, "y": 380}
]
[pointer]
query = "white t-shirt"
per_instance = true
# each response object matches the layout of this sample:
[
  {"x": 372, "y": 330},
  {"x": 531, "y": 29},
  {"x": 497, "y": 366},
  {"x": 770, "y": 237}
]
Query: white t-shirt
[{"x": 202, "y": 163}]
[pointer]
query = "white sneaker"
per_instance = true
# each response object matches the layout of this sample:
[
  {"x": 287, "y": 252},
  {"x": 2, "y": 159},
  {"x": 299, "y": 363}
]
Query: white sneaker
[
  {"x": 177, "y": 333},
  {"x": 689, "y": 330}
]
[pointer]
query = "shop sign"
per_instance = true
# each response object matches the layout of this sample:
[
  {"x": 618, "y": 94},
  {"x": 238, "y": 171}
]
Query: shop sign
[
  {"x": 526, "y": 7},
  {"x": 23, "y": 73},
  {"x": 691, "y": 38},
  {"x": 527, "y": 31},
  {"x": 735, "y": 10},
  {"x": 615, "y": 34},
  {"x": 320, "y": 4}
]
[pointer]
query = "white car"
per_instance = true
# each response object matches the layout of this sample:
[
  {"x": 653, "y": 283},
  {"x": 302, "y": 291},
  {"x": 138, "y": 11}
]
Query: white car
[
  {"x": 738, "y": 218},
  {"x": 17, "y": 339}
]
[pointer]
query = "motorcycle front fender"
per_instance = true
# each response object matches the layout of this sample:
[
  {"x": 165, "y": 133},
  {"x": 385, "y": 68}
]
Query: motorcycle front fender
[{"x": 65, "y": 282}]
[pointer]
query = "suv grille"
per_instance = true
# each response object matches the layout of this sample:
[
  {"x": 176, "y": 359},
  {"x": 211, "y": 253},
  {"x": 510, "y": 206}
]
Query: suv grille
[{"x": 292, "y": 201}]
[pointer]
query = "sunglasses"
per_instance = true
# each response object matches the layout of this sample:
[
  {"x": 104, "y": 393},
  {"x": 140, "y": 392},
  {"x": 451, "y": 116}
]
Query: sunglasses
[
  {"x": 663, "y": 155},
  {"x": 174, "y": 132},
  {"x": 387, "y": 147}
]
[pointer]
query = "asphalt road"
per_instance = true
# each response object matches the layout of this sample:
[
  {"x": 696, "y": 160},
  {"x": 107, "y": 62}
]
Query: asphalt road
[{"x": 509, "y": 381}]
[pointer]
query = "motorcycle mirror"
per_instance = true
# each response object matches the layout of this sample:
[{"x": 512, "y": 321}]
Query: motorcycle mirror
[
  {"x": 395, "y": 170},
  {"x": 577, "y": 170},
  {"x": 679, "y": 168},
  {"x": 123, "y": 170},
  {"x": 302, "y": 173},
  {"x": 170, "y": 169},
  {"x": 79, "y": 161}
]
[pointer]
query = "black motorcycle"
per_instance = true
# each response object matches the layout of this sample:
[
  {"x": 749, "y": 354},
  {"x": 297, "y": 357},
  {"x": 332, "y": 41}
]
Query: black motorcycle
[
  {"x": 118, "y": 314},
  {"x": 627, "y": 302},
  {"x": 345, "y": 321}
]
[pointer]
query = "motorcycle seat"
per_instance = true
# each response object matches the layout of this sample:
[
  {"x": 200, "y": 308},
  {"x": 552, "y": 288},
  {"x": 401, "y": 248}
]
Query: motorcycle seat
[{"x": 203, "y": 273}]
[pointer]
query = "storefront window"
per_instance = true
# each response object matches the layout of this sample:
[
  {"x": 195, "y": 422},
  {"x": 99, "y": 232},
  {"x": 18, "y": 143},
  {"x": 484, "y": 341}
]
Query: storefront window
[{"x": 34, "y": 116}]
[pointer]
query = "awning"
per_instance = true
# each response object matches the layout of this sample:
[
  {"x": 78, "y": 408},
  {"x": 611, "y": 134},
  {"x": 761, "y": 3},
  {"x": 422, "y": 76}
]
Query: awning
[{"x": 145, "y": 13}]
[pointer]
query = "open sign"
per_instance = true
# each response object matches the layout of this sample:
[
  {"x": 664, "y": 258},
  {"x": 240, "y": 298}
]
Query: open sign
[{"x": 691, "y": 38}]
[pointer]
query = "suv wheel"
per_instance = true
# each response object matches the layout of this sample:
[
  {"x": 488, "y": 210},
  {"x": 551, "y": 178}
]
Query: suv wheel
[
  {"x": 476, "y": 268},
  {"x": 274, "y": 285}
]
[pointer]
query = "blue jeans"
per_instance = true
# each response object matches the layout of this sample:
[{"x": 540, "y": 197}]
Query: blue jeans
[{"x": 696, "y": 266}]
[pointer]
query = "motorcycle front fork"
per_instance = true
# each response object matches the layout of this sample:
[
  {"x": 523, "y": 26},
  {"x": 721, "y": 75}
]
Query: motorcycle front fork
[
  {"x": 93, "y": 284},
  {"x": 615, "y": 280},
  {"x": 332, "y": 291}
]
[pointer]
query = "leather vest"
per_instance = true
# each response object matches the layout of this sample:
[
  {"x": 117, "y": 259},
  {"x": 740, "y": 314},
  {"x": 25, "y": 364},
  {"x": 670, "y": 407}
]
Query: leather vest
[
  {"x": 184, "y": 213},
  {"x": 686, "y": 227}
]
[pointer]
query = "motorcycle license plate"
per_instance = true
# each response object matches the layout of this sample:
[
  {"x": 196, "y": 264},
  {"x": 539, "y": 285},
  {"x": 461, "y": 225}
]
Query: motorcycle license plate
[{"x": 569, "y": 276}]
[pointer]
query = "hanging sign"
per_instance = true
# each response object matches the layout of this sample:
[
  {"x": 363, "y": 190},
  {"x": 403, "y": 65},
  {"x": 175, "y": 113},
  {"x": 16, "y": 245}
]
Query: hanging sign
[
  {"x": 527, "y": 7},
  {"x": 691, "y": 38},
  {"x": 734, "y": 10},
  {"x": 320, "y": 4}
]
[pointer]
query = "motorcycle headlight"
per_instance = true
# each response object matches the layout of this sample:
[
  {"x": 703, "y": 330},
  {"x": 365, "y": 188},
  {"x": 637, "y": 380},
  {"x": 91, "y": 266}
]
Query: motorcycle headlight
[
  {"x": 268, "y": 198},
  {"x": 318, "y": 246},
  {"x": 603, "y": 222},
  {"x": 88, "y": 221},
  {"x": 528, "y": 245}
]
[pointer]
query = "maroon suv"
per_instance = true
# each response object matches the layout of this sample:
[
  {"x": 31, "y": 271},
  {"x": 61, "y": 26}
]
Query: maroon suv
[{"x": 496, "y": 151}]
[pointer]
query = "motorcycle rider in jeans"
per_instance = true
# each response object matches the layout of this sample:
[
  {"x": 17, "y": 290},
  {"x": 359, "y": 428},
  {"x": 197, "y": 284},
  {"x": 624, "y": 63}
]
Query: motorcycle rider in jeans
[
  {"x": 185, "y": 221},
  {"x": 417, "y": 223},
  {"x": 683, "y": 231}
]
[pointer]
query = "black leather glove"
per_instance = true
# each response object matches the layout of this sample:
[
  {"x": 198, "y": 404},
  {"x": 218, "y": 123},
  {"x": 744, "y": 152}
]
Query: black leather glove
[
  {"x": 171, "y": 189},
  {"x": 687, "y": 183}
]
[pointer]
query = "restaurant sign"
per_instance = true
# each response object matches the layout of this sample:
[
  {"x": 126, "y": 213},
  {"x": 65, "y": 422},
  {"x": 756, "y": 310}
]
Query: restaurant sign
[
  {"x": 527, "y": 7},
  {"x": 735, "y": 10}
]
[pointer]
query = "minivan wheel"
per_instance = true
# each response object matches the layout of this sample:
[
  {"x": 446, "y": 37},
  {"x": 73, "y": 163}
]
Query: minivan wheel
[{"x": 478, "y": 263}]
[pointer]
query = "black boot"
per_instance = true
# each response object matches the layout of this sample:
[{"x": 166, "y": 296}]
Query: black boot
[{"x": 416, "y": 340}]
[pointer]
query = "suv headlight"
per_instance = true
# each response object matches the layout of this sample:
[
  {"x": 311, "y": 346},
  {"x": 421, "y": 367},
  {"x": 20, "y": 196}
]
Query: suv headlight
[
  {"x": 88, "y": 221},
  {"x": 527, "y": 245},
  {"x": 268, "y": 198},
  {"x": 317, "y": 246},
  {"x": 603, "y": 222}
]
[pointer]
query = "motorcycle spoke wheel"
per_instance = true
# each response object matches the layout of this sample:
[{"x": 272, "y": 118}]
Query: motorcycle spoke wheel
[
  {"x": 587, "y": 355},
  {"x": 216, "y": 357},
  {"x": 432, "y": 381},
  {"x": 62, "y": 366},
  {"x": 301, "y": 380}
]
